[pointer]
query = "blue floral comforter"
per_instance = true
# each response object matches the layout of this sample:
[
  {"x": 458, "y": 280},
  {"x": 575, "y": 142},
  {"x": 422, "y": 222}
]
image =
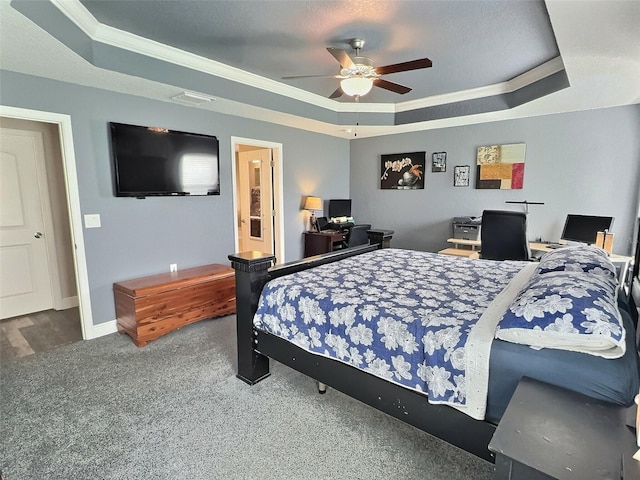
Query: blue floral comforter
[{"x": 422, "y": 320}]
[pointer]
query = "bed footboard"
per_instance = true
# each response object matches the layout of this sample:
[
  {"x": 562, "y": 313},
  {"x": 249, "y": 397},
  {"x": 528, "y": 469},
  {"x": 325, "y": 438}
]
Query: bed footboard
[{"x": 253, "y": 270}]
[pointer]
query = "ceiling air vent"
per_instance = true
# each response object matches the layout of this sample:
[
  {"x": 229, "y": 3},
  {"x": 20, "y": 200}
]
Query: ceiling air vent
[{"x": 191, "y": 98}]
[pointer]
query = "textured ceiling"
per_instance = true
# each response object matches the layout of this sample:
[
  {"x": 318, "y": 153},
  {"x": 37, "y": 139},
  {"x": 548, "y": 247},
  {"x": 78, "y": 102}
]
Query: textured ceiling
[{"x": 471, "y": 43}]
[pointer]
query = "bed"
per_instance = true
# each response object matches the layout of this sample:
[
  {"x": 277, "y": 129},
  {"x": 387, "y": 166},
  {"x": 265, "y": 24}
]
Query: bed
[{"x": 423, "y": 347}]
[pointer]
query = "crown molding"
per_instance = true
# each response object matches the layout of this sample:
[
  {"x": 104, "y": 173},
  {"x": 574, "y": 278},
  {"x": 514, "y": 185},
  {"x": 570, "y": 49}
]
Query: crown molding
[
  {"x": 536, "y": 74},
  {"x": 78, "y": 14},
  {"x": 82, "y": 18},
  {"x": 98, "y": 32}
]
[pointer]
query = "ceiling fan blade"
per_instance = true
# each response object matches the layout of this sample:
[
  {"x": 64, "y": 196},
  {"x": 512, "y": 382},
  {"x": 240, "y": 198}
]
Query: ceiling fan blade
[
  {"x": 394, "y": 87},
  {"x": 343, "y": 57},
  {"x": 404, "y": 66},
  {"x": 337, "y": 94},
  {"x": 308, "y": 76}
]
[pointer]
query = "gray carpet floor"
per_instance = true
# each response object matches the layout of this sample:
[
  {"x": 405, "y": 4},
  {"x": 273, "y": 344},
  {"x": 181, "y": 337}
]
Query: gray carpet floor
[{"x": 105, "y": 409}]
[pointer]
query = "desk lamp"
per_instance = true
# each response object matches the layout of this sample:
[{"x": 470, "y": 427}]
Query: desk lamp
[{"x": 312, "y": 204}]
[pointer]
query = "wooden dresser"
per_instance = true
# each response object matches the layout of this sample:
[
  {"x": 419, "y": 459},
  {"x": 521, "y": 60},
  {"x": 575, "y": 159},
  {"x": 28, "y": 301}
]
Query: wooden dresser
[{"x": 149, "y": 307}]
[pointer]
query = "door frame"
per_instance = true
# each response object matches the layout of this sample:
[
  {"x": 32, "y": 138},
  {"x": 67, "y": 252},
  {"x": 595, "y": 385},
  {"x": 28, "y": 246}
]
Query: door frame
[
  {"x": 73, "y": 203},
  {"x": 278, "y": 202}
]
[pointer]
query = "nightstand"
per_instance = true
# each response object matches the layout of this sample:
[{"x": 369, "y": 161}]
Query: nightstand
[{"x": 548, "y": 432}]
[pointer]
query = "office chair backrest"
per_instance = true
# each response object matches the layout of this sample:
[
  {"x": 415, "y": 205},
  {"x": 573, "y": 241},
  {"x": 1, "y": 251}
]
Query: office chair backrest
[
  {"x": 504, "y": 236},
  {"x": 358, "y": 235},
  {"x": 323, "y": 223}
]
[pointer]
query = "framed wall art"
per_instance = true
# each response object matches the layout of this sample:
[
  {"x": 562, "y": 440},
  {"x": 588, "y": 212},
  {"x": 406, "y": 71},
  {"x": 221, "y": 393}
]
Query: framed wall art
[
  {"x": 500, "y": 167},
  {"x": 439, "y": 162},
  {"x": 461, "y": 175},
  {"x": 402, "y": 171}
]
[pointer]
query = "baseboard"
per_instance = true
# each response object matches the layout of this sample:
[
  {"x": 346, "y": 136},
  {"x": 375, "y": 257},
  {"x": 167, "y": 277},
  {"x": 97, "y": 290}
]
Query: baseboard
[{"x": 102, "y": 329}]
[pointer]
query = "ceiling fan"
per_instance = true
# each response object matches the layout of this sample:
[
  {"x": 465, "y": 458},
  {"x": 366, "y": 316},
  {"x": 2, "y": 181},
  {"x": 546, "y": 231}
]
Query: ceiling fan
[{"x": 358, "y": 75}]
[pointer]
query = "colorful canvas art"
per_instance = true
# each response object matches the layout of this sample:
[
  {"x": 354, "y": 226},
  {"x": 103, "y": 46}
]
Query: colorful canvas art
[{"x": 500, "y": 167}]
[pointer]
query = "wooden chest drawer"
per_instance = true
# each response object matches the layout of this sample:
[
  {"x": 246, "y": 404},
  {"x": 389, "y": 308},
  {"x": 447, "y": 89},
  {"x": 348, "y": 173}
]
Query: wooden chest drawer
[{"x": 149, "y": 307}]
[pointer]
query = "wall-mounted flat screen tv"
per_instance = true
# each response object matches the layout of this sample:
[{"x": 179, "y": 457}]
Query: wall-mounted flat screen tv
[{"x": 152, "y": 161}]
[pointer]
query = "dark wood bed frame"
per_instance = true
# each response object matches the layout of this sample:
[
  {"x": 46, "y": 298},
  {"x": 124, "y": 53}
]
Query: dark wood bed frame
[{"x": 254, "y": 270}]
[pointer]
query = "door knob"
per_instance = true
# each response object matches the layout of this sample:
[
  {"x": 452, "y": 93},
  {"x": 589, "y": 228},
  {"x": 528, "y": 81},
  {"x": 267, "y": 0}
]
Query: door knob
[
  {"x": 38, "y": 235},
  {"x": 243, "y": 221}
]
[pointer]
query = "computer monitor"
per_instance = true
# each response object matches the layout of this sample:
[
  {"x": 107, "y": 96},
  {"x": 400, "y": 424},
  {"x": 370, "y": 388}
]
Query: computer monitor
[
  {"x": 339, "y": 208},
  {"x": 584, "y": 228}
]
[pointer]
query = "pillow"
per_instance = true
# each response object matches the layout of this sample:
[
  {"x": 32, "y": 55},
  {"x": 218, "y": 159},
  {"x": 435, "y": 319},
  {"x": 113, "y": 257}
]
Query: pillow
[
  {"x": 579, "y": 258},
  {"x": 566, "y": 310}
]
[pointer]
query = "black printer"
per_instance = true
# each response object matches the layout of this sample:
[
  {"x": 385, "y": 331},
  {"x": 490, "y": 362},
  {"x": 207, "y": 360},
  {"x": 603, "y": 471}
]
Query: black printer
[{"x": 467, "y": 228}]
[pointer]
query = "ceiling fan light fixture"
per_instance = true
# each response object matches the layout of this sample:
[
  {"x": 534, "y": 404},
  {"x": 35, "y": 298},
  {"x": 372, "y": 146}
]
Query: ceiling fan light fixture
[{"x": 356, "y": 86}]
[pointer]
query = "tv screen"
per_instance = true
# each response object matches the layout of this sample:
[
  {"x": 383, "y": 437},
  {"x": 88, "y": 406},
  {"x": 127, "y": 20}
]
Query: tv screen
[
  {"x": 585, "y": 228},
  {"x": 151, "y": 161},
  {"x": 339, "y": 208}
]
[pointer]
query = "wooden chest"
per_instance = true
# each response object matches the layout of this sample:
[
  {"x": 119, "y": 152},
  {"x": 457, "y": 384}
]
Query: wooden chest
[{"x": 149, "y": 307}]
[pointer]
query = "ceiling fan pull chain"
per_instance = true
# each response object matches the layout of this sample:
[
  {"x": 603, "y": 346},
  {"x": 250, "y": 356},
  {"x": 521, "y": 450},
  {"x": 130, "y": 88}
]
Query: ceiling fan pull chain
[{"x": 355, "y": 129}]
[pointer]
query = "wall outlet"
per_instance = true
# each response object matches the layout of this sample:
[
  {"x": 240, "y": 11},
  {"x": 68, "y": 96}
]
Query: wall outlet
[{"x": 173, "y": 267}]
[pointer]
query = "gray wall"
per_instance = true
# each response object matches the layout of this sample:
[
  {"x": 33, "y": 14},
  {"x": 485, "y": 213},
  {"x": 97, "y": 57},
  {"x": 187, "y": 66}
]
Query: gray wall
[
  {"x": 142, "y": 237},
  {"x": 585, "y": 162},
  {"x": 581, "y": 162}
]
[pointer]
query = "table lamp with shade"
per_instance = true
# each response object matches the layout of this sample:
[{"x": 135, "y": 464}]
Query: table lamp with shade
[{"x": 313, "y": 204}]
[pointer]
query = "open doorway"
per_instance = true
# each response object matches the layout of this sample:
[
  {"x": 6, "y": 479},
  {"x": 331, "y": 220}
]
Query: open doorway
[
  {"x": 257, "y": 196},
  {"x": 59, "y": 233}
]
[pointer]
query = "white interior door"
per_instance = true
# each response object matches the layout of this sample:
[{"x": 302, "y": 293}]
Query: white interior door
[
  {"x": 255, "y": 200},
  {"x": 25, "y": 285}
]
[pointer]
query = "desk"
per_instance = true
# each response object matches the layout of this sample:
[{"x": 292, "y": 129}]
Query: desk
[
  {"x": 548, "y": 432},
  {"x": 462, "y": 248},
  {"x": 471, "y": 249},
  {"x": 467, "y": 248},
  {"x": 317, "y": 243}
]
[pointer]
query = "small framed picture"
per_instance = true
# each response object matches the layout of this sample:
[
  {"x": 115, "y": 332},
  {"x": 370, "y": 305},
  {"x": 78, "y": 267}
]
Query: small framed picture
[
  {"x": 461, "y": 175},
  {"x": 439, "y": 162}
]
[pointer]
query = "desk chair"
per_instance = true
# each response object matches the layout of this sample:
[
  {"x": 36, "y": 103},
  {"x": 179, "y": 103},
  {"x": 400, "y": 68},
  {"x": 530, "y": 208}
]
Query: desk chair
[
  {"x": 358, "y": 235},
  {"x": 504, "y": 236},
  {"x": 323, "y": 223}
]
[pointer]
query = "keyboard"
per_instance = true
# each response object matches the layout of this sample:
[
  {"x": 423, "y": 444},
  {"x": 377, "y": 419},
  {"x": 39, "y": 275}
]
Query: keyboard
[{"x": 553, "y": 246}]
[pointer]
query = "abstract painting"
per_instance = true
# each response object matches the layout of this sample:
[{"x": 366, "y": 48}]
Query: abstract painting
[
  {"x": 500, "y": 166},
  {"x": 402, "y": 171}
]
